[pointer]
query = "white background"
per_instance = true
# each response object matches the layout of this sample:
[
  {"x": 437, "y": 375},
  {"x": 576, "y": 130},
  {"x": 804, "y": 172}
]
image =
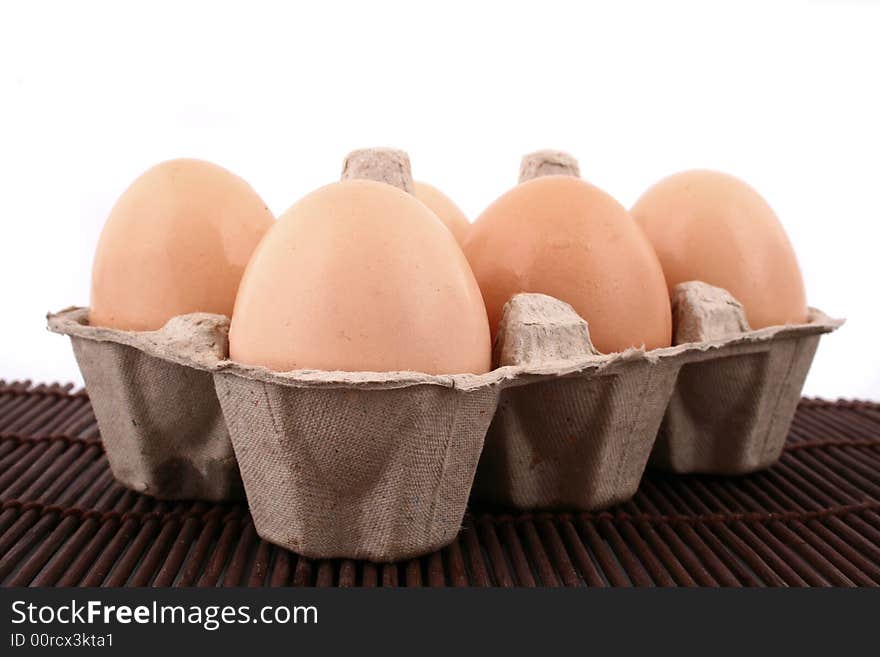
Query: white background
[{"x": 785, "y": 95}]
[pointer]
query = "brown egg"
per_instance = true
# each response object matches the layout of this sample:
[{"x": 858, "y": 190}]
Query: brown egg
[
  {"x": 444, "y": 208},
  {"x": 177, "y": 241},
  {"x": 561, "y": 236},
  {"x": 712, "y": 227},
  {"x": 360, "y": 276}
]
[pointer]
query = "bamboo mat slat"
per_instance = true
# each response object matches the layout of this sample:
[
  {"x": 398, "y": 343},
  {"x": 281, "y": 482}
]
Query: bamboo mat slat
[{"x": 811, "y": 520}]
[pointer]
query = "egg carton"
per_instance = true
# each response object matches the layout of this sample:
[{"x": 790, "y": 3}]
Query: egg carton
[
  {"x": 161, "y": 424},
  {"x": 719, "y": 401},
  {"x": 736, "y": 390},
  {"x": 380, "y": 465}
]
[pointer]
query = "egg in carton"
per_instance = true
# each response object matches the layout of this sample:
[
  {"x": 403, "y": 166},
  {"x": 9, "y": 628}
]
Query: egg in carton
[
  {"x": 176, "y": 241},
  {"x": 719, "y": 400},
  {"x": 358, "y": 464},
  {"x": 165, "y": 434},
  {"x": 380, "y": 465}
]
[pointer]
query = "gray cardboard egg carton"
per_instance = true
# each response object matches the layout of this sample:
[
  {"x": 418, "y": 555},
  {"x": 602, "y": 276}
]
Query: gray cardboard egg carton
[
  {"x": 380, "y": 465},
  {"x": 160, "y": 421},
  {"x": 719, "y": 401}
]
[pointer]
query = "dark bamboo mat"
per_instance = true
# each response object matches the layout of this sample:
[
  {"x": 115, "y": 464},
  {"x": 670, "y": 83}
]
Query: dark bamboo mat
[{"x": 811, "y": 520}]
